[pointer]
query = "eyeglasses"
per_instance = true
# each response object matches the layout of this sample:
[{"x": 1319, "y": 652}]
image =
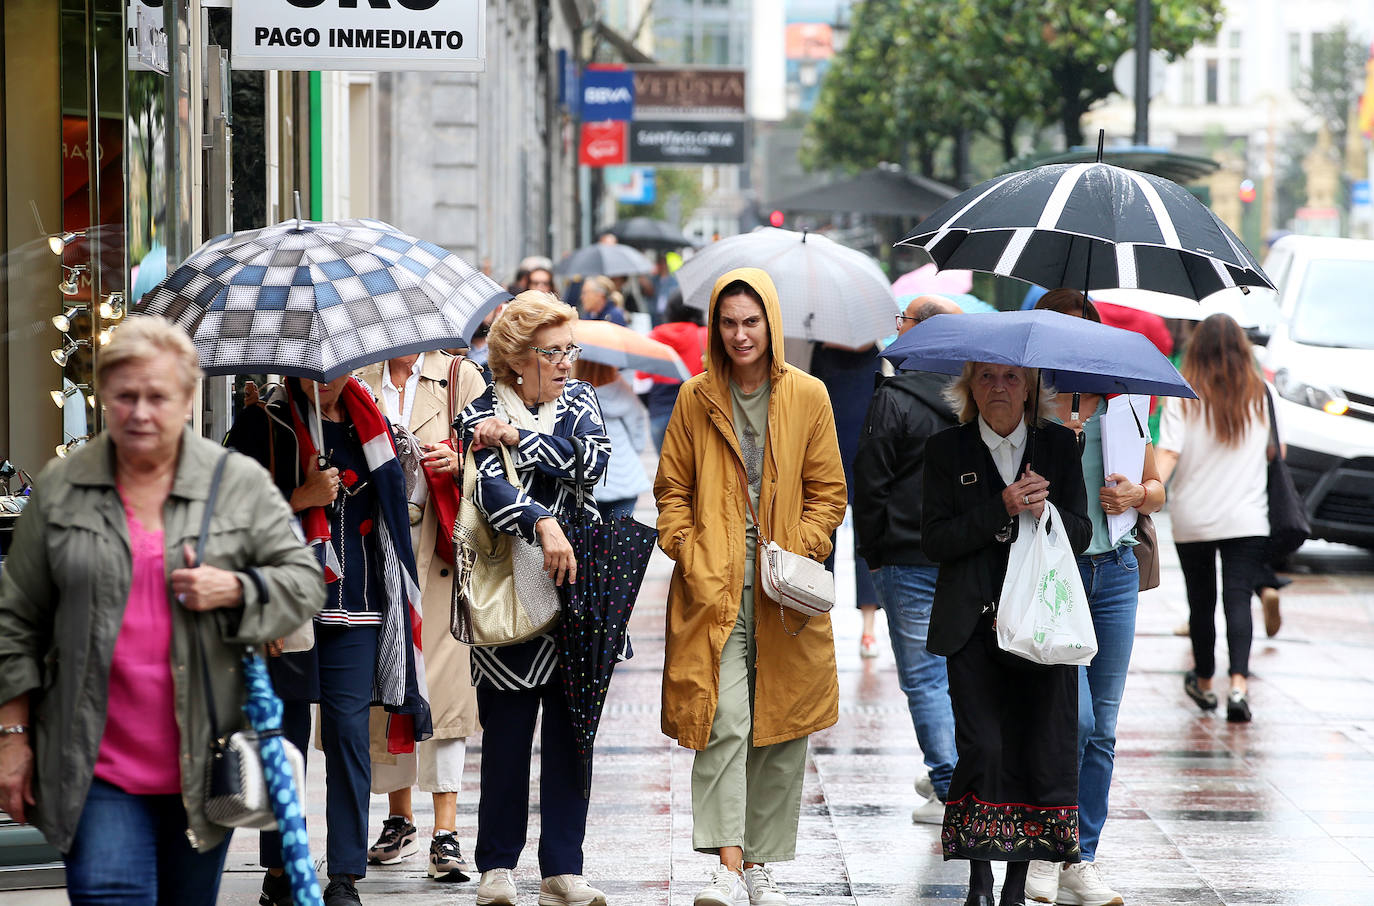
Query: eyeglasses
[
  {"x": 901, "y": 319},
  {"x": 557, "y": 356}
]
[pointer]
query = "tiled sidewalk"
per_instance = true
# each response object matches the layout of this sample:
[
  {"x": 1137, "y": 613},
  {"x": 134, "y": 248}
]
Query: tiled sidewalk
[{"x": 1281, "y": 811}]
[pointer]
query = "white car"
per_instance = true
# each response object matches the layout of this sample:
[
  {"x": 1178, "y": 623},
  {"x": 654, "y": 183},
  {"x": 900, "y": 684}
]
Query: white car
[{"x": 1320, "y": 358}]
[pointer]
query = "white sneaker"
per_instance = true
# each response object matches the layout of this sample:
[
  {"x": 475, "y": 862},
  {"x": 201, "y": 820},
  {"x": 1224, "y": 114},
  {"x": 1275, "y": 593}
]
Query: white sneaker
[
  {"x": 932, "y": 811},
  {"x": 497, "y": 888},
  {"x": 569, "y": 890},
  {"x": 1042, "y": 881},
  {"x": 1081, "y": 884},
  {"x": 724, "y": 889},
  {"x": 924, "y": 786},
  {"x": 763, "y": 890}
]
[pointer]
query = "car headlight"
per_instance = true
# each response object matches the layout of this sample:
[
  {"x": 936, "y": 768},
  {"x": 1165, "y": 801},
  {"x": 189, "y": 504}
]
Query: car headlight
[{"x": 1317, "y": 396}]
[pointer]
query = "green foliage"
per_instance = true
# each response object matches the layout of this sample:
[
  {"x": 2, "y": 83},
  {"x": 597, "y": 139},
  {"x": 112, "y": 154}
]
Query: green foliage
[
  {"x": 915, "y": 73},
  {"x": 670, "y": 182},
  {"x": 1332, "y": 85}
]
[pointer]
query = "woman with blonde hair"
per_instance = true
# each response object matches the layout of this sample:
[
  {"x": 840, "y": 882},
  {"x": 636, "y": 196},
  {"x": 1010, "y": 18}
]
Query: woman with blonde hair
[
  {"x": 108, "y": 653},
  {"x": 1014, "y": 794},
  {"x": 537, "y": 410},
  {"x": 601, "y": 301},
  {"x": 1217, "y": 450}
]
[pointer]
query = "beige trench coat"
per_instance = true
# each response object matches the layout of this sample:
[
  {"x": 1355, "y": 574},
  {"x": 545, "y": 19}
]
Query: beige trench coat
[{"x": 452, "y": 698}]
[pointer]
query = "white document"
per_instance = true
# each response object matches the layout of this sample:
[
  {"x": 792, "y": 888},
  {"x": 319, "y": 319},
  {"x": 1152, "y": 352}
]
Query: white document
[{"x": 1124, "y": 435}]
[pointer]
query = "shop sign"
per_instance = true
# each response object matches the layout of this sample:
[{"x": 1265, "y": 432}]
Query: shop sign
[
  {"x": 603, "y": 144},
  {"x": 145, "y": 37},
  {"x": 362, "y": 35},
  {"x": 607, "y": 94},
  {"x": 686, "y": 142},
  {"x": 702, "y": 91}
]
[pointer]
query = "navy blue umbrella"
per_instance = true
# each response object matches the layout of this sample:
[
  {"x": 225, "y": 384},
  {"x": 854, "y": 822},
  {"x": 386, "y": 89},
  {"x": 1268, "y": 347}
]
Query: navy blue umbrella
[{"x": 1076, "y": 355}]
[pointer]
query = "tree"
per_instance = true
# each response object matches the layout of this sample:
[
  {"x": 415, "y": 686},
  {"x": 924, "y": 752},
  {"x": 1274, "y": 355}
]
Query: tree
[
  {"x": 1331, "y": 86},
  {"x": 915, "y": 73}
]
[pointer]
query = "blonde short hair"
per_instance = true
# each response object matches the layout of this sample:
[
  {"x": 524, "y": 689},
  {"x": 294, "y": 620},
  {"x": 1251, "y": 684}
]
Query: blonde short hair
[
  {"x": 959, "y": 395},
  {"x": 150, "y": 338},
  {"x": 513, "y": 332}
]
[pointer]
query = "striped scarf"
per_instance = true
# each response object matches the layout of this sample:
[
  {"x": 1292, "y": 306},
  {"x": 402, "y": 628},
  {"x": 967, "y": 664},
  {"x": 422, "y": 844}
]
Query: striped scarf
[{"x": 399, "y": 674}]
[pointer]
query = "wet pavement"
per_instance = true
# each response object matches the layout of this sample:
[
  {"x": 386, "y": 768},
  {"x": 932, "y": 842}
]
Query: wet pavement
[
  {"x": 1203, "y": 812},
  {"x": 1280, "y": 811}
]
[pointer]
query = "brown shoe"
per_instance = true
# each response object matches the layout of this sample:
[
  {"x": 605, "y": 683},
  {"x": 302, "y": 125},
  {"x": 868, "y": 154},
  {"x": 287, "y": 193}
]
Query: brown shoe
[{"x": 1269, "y": 600}]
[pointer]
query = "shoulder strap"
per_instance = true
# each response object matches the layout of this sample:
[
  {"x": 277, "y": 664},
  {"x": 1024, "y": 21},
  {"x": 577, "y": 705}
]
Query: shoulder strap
[
  {"x": 749, "y": 500},
  {"x": 210, "y": 507},
  {"x": 198, "y": 620},
  {"x": 1273, "y": 424}
]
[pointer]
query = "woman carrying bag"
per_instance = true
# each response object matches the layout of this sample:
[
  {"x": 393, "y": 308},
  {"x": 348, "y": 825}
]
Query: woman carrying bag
[
  {"x": 1014, "y": 793},
  {"x": 1111, "y": 579},
  {"x": 531, "y": 414},
  {"x": 743, "y": 684}
]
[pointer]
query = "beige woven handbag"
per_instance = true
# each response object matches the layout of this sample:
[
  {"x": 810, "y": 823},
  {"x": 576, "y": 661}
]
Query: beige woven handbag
[{"x": 501, "y": 594}]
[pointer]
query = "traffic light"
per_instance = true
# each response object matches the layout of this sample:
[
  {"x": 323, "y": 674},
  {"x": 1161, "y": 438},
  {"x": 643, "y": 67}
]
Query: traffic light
[
  {"x": 775, "y": 219},
  {"x": 1247, "y": 190}
]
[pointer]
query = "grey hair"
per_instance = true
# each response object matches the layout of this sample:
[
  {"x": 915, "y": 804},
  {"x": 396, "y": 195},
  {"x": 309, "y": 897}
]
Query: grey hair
[{"x": 959, "y": 395}]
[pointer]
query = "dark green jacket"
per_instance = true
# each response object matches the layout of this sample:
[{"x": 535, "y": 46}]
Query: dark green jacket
[{"x": 62, "y": 596}]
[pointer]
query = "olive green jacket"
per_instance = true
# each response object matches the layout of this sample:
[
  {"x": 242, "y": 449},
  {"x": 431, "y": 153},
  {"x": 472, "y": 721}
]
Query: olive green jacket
[{"x": 63, "y": 590}]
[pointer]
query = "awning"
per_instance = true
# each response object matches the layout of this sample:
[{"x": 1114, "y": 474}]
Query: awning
[
  {"x": 881, "y": 190},
  {"x": 1181, "y": 168}
]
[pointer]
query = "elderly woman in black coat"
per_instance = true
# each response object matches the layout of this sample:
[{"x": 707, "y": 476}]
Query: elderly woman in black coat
[{"x": 1014, "y": 794}]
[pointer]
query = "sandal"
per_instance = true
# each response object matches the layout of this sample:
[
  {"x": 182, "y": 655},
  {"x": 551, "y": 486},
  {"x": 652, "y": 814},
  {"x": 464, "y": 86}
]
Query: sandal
[{"x": 1205, "y": 699}]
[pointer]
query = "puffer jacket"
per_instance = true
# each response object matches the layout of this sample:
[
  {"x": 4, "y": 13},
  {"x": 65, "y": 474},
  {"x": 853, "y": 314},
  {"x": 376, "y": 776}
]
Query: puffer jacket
[
  {"x": 62, "y": 597},
  {"x": 702, "y": 522}
]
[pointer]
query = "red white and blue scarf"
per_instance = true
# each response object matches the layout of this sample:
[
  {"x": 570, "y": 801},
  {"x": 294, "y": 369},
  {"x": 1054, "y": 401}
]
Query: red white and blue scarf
[{"x": 399, "y": 677}]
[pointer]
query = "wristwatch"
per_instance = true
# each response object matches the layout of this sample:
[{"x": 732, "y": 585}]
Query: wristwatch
[{"x": 13, "y": 729}]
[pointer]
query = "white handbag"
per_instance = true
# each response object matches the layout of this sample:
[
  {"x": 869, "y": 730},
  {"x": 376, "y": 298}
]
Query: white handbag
[
  {"x": 1042, "y": 614},
  {"x": 795, "y": 581}
]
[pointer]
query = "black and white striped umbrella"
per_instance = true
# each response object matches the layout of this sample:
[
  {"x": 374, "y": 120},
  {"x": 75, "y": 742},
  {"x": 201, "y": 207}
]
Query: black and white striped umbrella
[
  {"x": 317, "y": 300},
  {"x": 1062, "y": 224}
]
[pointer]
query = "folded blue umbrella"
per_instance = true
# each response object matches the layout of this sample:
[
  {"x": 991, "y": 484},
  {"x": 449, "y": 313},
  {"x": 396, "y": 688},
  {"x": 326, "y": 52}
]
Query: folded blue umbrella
[{"x": 1075, "y": 354}]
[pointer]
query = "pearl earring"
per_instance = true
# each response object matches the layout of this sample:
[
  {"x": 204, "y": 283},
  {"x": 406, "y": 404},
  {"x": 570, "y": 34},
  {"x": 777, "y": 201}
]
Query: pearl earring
[{"x": 519, "y": 379}]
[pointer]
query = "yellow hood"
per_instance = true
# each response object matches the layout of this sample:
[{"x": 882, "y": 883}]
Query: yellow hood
[{"x": 758, "y": 279}]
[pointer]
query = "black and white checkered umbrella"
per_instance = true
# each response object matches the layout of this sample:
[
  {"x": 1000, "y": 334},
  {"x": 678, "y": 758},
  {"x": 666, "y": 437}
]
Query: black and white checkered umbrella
[
  {"x": 1060, "y": 224},
  {"x": 317, "y": 300}
]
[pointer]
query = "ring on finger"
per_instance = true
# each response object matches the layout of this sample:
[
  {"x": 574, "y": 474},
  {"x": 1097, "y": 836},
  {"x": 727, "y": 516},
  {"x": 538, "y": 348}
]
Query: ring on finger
[{"x": 1026, "y": 500}]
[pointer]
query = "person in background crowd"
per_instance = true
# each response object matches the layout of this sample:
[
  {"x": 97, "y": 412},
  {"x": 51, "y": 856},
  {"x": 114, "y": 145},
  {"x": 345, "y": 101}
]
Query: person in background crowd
[
  {"x": 536, "y": 410},
  {"x": 1216, "y": 448},
  {"x": 540, "y": 279},
  {"x": 414, "y": 392},
  {"x": 354, "y": 512},
  {"x": 684, "y": 332},
  {"x": 600, "y": 301},
  {"x": 906, "y": 410},
  {"x": 1111, "y": 579},
  {"x": 1014, "y": 793},
  {"x": 627, "y": 426},
  {"x": 110, "y": 761},
  {"x": 848, "y": 375},
  {"x": 520, "y": 283},
  {"x": 740, "y": 685}
]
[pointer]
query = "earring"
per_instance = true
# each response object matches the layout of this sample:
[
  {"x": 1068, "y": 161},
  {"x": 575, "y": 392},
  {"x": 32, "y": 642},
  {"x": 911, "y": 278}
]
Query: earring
[{"x": 519, "y": 379}]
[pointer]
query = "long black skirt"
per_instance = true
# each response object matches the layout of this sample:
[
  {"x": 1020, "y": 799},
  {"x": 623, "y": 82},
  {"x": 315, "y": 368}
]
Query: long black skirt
[{"x": 1014, "y": 795}]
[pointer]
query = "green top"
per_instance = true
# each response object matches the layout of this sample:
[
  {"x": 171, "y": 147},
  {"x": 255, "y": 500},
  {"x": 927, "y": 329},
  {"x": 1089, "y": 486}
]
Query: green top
[
  {"x": 751, "y": 427},
  {"x": 1093, "y": 480}
]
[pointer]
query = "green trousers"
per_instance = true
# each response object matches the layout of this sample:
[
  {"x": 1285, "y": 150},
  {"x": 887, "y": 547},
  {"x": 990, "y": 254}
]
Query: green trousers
[{"x": 745, "y": 795}]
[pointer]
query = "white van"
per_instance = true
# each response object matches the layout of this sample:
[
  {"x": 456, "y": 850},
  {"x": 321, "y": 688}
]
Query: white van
[{"x": 1320, "y": 358}]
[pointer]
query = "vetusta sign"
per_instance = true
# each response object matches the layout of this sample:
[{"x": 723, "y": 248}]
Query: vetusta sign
[
  {"x": 700, "y": 91},
  {"x": 360, "y": 34}
]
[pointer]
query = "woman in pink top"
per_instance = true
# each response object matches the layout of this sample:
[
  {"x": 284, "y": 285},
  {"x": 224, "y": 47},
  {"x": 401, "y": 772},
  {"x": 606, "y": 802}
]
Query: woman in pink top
[{"x": 104, "y": 732}]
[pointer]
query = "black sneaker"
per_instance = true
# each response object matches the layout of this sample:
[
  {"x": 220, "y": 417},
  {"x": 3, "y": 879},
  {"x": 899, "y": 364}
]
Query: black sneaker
[
  {"x": 1205, "y": 699},
  {"x": 276, "y": 890},
  {"x": 399, "y": 839},
  {"x": 1237, "y": 707},
  {"x": 446, "y": 862},
  {"x": 341, "y": 892}
]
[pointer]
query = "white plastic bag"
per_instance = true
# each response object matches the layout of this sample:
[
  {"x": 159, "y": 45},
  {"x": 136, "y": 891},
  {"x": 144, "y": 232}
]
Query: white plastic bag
[{"x": 1043, "y": 612}]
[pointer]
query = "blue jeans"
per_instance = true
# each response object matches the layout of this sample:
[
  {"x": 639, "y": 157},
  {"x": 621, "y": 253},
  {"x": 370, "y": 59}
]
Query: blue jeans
[
  {"x": 906, "y": 594},
  {"x": 1112, "y": 581},
  {"x": 133, "y": 850},
  {"x": 613, "y": 509}
]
